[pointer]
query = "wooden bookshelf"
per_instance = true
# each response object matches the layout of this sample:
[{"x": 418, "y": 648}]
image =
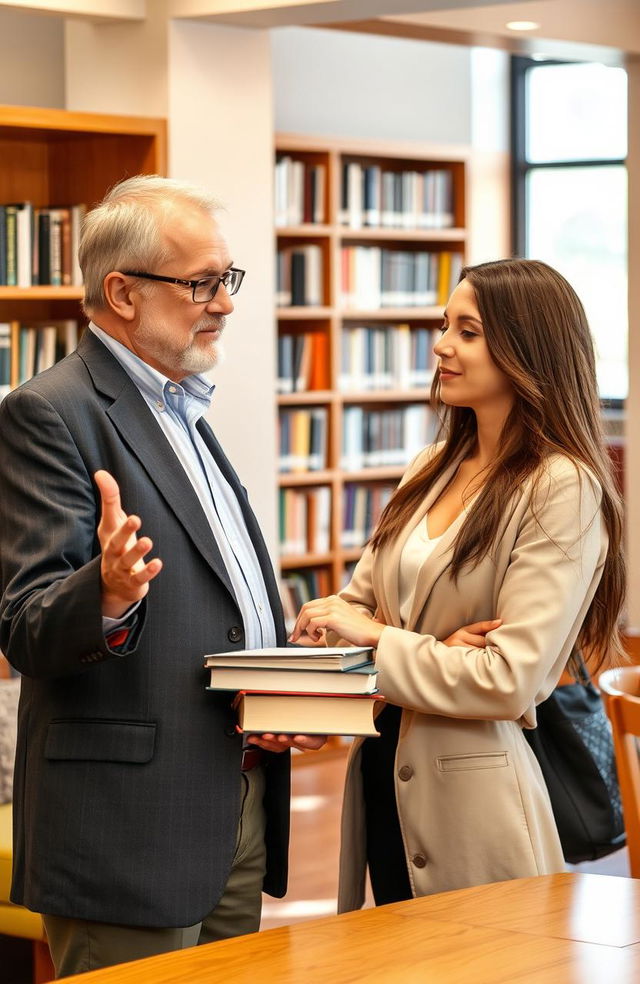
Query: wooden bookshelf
[
  {"x": 338, "y": 228},
  {"x": 55, "y": 158}
]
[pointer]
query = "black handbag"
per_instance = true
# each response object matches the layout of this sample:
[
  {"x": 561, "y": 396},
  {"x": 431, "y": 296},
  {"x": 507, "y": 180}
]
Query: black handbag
[{"x": 574, "y": 748}]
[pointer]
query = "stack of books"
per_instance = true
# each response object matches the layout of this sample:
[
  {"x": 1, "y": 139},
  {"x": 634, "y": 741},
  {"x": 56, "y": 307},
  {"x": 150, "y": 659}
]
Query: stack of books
[{"x": 299, "y": 691}]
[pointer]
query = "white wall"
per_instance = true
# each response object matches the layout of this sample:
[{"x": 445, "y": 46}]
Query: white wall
[
  {"x": 489, "y": 205},
  {"x": 214, "y": 86},
  {"x": 359, "y": 85},
  {"x": 632, "y": 449},
  {"x": 118, "y": 68},
  {"x": 31, "y": 60},
  {"x": 221, "y": 136}
]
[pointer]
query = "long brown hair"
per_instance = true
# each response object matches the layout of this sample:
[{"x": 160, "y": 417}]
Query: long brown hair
[{"x": 537, "y": 333}]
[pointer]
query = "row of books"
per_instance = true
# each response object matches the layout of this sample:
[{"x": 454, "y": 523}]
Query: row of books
[
  {"x": 374, "y": 277},
  {"x": 302, "y": 439},
  {"x": 300, "y": 192},
  {"x": 362, "y": 506},
  {"x": 299, "y": 691},
  {"x": 39, "y": 246},
  {"x": 382, "y": 357},
  {"x": 371, "y": 438},
  {"x": 305, "y": 520},
  {"x": 298, "y": 587},
  {"x": 299, "y": 276},
  {"x": 27, "y": 349},
  {"x": 303, "y": 362},
  {"x": 378, "y": 197},
  {"x": 379, "y": 438}
]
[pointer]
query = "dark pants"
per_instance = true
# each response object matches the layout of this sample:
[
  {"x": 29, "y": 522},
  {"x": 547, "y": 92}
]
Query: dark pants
[
  {"x": 78, "y": 945},
  {"x": 385, "y": 849}
]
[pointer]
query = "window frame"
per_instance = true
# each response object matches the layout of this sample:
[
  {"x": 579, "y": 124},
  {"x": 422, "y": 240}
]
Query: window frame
[{"x": 521, "y": 167}]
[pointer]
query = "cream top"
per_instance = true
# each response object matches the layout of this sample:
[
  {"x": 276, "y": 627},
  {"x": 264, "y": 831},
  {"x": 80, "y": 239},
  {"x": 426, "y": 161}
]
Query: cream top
[{"x": 418, "y": 547}]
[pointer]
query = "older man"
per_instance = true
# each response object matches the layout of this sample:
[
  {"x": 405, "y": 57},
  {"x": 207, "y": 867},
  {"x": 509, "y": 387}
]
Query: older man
[{"x": 141, "y": 824}]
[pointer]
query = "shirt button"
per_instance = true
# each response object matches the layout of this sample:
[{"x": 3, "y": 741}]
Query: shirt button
[
  {"x": 419, "y": 860},
  {"x": 159, "y": 405},
  {"x": 172, "y": 389},
  {"x": 405, "y": 773}
]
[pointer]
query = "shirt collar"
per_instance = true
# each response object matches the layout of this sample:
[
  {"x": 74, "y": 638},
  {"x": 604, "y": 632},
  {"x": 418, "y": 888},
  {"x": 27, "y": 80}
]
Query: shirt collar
[{"x": 153, "y": 384}]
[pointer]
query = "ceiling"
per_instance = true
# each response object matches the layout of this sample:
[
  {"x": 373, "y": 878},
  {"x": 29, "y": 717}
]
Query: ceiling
[{"x": 605, "y": 29}]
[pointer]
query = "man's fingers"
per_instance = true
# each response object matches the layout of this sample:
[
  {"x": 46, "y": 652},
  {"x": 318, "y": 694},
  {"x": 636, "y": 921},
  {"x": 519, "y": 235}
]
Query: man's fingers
[
  {"x": 110, "y": 498},
  {"x": 148, "y": 571}
]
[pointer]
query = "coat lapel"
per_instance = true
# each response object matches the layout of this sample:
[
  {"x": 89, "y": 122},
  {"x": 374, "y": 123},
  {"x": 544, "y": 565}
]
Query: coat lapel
[
  {"x": 387, "y": 565},
  {"x": 139, "y": 431},
  {"x": 253, "y": 528}
]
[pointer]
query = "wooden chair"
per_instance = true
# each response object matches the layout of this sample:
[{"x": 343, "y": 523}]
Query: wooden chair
[
  {"x": 15, "y": 920},
  {"x": 621, "y": 693}
]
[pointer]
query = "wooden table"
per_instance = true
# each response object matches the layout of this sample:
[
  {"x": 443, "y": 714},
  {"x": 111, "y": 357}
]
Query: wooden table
[{"x": 555, "y": 929}]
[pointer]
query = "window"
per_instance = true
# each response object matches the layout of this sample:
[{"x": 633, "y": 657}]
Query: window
[{"x": 569, "y": 138}]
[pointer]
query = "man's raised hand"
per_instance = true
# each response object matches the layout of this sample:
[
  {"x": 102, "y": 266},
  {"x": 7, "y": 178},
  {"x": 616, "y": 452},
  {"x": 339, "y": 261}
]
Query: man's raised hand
[{"x": 125, "y": 574}]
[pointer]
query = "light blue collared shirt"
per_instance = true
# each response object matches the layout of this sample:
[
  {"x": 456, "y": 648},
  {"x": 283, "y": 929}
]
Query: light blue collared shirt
[{"x": 177, "y": 407}]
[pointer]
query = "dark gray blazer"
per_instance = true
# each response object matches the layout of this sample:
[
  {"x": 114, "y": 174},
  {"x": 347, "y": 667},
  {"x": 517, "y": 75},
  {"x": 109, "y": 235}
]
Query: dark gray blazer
[{"x": 127, "y": 784}]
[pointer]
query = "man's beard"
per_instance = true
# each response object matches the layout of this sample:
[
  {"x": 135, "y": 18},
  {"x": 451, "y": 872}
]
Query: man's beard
[{"x": 158, "y": 341}]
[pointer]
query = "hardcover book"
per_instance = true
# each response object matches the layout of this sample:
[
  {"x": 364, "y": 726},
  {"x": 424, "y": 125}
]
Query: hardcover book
[
  {"x": 291, "y": 657},
  {"x": 305, "y": 714},
  {"x": 359, "y": 680}
]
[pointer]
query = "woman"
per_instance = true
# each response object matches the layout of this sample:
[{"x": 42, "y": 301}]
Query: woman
[{"x": 498, "y": 554}]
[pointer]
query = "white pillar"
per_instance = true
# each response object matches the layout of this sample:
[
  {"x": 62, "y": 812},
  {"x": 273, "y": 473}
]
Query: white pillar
[
  {"x": 213, "y": 84},
  {"x": 632, "y": 449},
  {"x": 221, "y": 136}
]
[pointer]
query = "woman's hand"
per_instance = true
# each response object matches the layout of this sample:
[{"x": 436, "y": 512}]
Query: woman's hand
[
  {"x": 472, "y": 635},
  {"x": 315, "y": 617}
]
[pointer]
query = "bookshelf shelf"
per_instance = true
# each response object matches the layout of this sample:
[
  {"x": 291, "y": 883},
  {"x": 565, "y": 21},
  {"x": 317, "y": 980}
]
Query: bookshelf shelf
[
  {"x": 384, "y": 396},
  {"x": 348, "y": 234},
  {"x": 303, "y": 313},
  {"x": 44, "y": 293},
  {"x": 51, "y": 162},
  {"x": 351, "y": 554},
  {"x": 304, "y": 231},
  {"x": 293, "y": 561},
  {"x": 433, "y": 313},
  {"x": 307, "y": 397},
  {"x": 387, "y": 473},
  {"x": 413, "y": 241},
  {"x": 307, "y": 477}
]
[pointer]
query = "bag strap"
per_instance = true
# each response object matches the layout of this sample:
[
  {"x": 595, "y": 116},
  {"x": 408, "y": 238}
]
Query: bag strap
[
  {"x": 578, "y": 673},
  {"x": 583, "y": 673}
]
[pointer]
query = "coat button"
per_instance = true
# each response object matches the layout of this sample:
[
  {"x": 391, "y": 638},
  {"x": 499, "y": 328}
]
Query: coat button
[
  {"x": 235, "y": 634},
  {"x": 419, "y": 860},
  {"x": 231, "y": 732},
  {"x": 405, "y": 773}
]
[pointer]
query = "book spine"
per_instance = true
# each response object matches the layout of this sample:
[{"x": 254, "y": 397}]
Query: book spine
[
  {"x": 3, "y": 245},
  {"x": 44, "y": 247},
  {"x": 12, "y": 245},
  {"x": 5, "y": 359}
]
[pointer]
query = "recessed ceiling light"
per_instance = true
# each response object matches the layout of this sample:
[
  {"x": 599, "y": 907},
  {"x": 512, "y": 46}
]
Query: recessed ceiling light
[{"x": 522, "y": 26}]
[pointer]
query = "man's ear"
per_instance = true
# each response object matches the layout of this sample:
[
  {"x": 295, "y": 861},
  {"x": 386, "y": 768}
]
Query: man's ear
[{"x": 120, "y": 295}]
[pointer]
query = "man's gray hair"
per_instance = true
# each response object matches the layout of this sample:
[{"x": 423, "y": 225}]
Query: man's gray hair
[{"x": 125, "y": 231}]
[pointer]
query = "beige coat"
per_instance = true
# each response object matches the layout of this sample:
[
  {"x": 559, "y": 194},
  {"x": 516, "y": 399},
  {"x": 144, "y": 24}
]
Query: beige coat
[{"x": 472, "y": 803}]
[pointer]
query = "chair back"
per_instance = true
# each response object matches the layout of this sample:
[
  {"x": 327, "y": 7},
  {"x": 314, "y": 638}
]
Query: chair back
[{"x": 620, "y": 689}]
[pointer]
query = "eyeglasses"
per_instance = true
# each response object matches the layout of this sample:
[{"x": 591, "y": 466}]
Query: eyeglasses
[{"x": 203, "y": 290}]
